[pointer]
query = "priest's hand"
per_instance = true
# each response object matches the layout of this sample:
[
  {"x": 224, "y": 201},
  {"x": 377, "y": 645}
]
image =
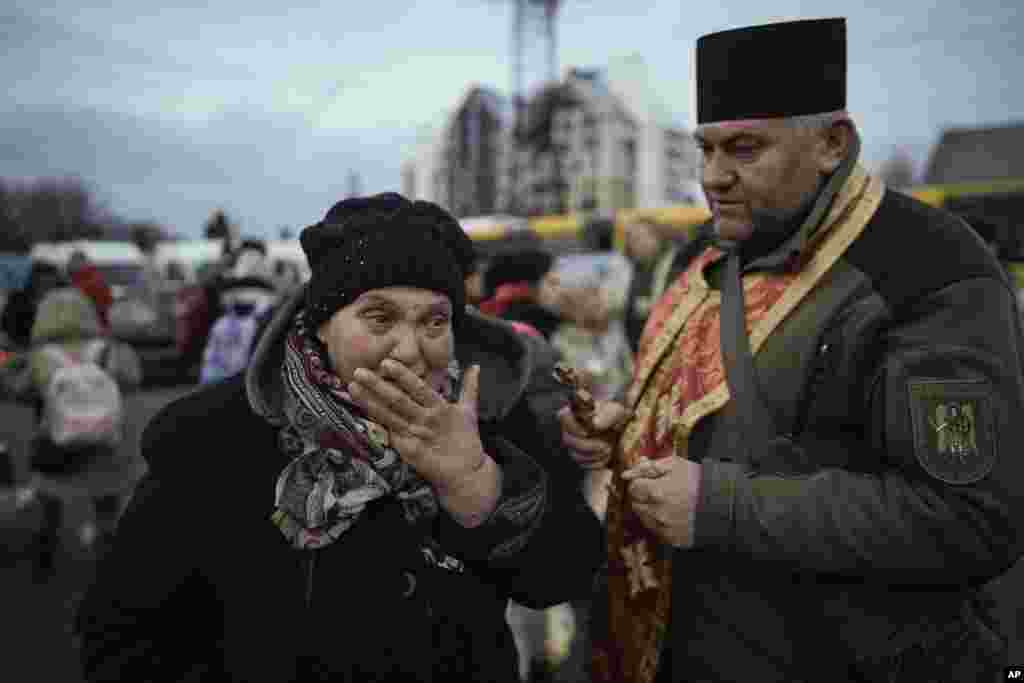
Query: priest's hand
[{"x": 664, "y": 494}]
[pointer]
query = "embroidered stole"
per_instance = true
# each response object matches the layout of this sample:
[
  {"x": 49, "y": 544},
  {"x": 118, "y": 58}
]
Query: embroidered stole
[{"x": 680, "y": 379}]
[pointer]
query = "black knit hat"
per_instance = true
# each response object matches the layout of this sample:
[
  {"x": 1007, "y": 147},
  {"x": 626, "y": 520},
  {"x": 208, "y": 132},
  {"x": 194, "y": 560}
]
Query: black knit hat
[
  {"x": 525, "y": 265},
  {"x": 384, "y": 240},
  {"x": 772, "y": 71}
]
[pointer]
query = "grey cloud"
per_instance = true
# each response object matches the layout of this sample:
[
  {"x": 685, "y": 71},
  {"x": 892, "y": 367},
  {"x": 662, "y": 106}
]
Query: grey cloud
[
  {"x": 270, "y": 169},
  {"x": 41, "y": 46},
  {"x": 123, "y": 148},
  {"x": 19, "y": 29},
  {"x": 104, "y": 146},
  {"x": 42, "y": 36}
]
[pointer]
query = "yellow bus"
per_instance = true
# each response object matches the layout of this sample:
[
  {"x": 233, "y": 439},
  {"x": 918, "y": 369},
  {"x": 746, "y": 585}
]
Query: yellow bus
[
  {"x": 497, "y": 233},
  {"x": 566, "y": 233},
  {"x": 999, "y": 203},
  {"x": 999, "y": 200},
  {"x": 947, "y": 195},
  {"x": 681, "y": 220}
]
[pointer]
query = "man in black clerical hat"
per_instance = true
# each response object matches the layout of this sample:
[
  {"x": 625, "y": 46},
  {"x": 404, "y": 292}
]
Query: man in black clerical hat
[{"x": 816, "y": 473}]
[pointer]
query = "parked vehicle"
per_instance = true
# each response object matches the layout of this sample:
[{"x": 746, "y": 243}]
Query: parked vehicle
[
  {"x": 187, "y": 258},
  {"x": 287, "y": 261},
  {"x": 120, "y": 263},
  {"x": 194, "y": 298}
]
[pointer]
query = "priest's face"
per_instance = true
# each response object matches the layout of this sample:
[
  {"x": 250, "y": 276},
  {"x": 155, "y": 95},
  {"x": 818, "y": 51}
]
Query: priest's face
[{"x": 765, "y": 165}]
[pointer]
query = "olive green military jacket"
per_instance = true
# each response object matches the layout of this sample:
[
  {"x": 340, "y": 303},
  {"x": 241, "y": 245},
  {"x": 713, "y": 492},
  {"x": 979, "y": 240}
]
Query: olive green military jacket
[{"x": 896, "y": 487}]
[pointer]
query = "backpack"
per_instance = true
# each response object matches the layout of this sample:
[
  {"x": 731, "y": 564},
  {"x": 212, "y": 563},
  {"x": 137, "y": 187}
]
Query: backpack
[
  {"x": 133, "y": 319},
  {"x": 82, "y": 403},
  {"x": 230, "y": 344}
]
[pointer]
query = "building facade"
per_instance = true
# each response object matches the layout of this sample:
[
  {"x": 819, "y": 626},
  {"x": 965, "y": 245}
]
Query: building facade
[
  {"x": 423, "y": 170},
  {"x": 581, "y": 146}
]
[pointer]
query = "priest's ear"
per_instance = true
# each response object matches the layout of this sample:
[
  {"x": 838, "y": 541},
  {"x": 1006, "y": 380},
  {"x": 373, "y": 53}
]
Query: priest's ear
[{"x": 833, "y": 144}]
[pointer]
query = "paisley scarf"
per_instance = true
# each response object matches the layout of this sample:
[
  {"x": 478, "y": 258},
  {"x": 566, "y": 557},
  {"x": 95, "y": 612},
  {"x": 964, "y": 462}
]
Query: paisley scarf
[{"x": 339, "y": 459}]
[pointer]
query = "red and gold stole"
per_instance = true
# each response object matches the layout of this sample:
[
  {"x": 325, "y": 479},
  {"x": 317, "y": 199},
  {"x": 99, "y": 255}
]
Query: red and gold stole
[{"x": 680, "y": 379}]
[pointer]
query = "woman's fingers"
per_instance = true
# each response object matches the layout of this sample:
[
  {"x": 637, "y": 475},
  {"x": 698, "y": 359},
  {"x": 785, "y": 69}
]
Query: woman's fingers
[
  {"x": 376, "y": 409},
  {"x": 372, "y": 386},
  {"x": 407, "y": 381}
]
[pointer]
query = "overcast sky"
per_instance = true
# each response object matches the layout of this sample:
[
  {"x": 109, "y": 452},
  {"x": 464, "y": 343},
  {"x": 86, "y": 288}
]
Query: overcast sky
[{"x": 172, "y": 113}]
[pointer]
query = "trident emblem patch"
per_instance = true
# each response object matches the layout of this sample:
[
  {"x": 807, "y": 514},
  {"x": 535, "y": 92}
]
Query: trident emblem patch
[{"x": 954, "y": 428}]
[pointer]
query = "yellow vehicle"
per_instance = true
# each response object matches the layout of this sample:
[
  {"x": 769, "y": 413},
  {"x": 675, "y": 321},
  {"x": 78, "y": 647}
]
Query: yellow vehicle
[
  {"x": 960, "y": 193},
  {"x": 495, "y": 234},
  {"x": 563, "y": 231},
  {"x": 1001, "y": 201},
  {"x": 566, "y": 233},
  {"x": 681, "y": 220},
  {"x": 998, "y": 203}
]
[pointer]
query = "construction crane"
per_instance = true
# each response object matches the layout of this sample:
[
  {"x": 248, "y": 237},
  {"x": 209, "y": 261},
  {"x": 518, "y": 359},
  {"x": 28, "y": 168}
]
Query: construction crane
[{"x": 532, "y": 20}]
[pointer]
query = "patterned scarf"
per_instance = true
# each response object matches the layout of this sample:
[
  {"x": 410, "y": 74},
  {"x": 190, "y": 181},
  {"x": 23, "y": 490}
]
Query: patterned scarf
[{"x": 340, "y": 460}]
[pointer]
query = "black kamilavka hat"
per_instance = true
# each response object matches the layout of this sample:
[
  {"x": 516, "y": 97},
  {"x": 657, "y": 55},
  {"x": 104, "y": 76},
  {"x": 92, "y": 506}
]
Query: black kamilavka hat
[{"x": 772, "y": 71}]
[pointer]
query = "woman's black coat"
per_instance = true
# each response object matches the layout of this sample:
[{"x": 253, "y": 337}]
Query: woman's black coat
[{"x": 201, "y": 585}]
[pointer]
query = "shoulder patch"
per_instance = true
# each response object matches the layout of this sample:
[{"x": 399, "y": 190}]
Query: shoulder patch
[{"x": 954, "y": 428}]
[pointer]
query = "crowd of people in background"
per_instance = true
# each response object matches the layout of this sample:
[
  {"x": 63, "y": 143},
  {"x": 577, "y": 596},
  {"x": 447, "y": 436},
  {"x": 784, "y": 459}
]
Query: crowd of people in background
[
  {"x": 592, "y": 316},
  {"x": 593, "y": 323},
  {"x": 799, "y": 464},
  {"x": 590, "y": 322},
  {"x": 54, "y": 316}
]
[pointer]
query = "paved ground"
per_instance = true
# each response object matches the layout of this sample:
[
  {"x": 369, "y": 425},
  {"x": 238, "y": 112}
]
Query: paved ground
[
  {"x": 35, "y": 639},
  {"x": 35, "y": 644}
]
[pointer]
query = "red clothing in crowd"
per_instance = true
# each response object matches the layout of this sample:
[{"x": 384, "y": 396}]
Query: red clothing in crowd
[
  {"x": 526, "y": 328},
  {"x": 90, "y": 282},
  {"x": 505, "y": 296}
]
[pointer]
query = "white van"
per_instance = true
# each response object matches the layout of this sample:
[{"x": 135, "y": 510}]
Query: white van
[
  {"x": 191, "y": 255},
  {"x": 287, "y": 260},
  {"x": 121, "y": 263}
]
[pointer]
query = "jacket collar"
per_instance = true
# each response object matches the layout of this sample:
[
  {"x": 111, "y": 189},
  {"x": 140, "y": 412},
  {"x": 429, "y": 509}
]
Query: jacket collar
[{"x": 788, "y": 244}]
